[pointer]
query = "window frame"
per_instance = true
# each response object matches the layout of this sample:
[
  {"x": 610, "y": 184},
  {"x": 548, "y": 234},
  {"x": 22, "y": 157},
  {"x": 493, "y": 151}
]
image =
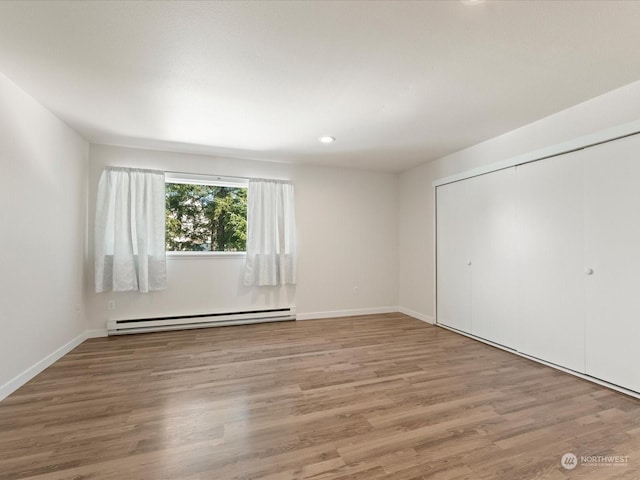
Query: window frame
[{"x": 204, "y": 179}]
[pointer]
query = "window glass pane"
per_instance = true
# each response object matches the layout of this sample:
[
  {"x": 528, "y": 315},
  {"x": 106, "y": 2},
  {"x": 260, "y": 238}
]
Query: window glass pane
[{"x": 205, "y": 218}]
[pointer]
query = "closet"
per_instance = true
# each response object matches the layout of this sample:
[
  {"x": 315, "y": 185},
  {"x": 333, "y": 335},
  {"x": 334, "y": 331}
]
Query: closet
[
  {"x": 476, "y": 258},
  {"x": 550, "y": 260},
  {"x": 612, "y": 257},
  {"x": 543, "y": 258}
]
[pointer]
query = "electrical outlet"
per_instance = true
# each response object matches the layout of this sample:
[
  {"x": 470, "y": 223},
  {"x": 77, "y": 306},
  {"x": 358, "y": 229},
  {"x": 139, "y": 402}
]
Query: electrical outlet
[
  {"x": 111, "y": 305},
  {"x": 356, "y": 290}
]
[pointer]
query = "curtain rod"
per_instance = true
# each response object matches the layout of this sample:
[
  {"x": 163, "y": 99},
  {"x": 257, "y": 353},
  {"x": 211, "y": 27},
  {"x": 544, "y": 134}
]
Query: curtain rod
[
  {"x": 186, "y": 174},
  {"x": 207, "y": 174},
  {"x": 224, "y": 176}
]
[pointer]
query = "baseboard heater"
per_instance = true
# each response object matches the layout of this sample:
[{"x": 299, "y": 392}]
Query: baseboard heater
[{"x": 182, "y": 322}]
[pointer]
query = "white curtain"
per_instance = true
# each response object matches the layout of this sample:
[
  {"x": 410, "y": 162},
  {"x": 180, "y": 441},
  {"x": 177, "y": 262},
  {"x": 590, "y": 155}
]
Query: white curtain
[
  {"x": 271, "y": 233},
  {"x": 130, "y": 231}
]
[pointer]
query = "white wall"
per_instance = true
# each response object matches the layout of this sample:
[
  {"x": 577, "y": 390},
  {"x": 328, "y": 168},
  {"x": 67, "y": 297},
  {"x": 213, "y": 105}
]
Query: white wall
[
  {"x": 347, "y": 235},
  {"x": 43, "y": 180},
  {"x": 348, "y": 241},
  {"x": 416, "y": 200}
]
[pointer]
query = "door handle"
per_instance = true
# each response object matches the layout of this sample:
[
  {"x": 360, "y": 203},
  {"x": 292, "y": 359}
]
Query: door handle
[{"x": 589, "y": 271}]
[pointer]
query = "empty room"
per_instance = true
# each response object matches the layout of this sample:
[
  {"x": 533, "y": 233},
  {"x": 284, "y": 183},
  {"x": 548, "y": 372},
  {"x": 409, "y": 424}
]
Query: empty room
[{"x": 325, "y": 240}]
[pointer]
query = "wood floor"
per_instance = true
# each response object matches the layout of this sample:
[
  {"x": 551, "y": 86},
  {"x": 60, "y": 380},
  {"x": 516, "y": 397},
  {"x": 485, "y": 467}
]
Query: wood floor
[{"x": 376, "y": 397}]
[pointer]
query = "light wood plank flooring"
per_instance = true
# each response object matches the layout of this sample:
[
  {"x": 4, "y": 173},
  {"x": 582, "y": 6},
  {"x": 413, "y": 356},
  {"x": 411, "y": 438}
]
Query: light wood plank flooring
[{"x": 376, "y": 397}]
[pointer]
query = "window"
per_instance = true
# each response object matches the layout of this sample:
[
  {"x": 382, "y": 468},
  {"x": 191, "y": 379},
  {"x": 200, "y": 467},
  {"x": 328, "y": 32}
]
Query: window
[{"x": 205, "y": 214}]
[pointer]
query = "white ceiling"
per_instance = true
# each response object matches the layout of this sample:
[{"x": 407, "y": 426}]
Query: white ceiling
[{"x": 397, "y": 83}]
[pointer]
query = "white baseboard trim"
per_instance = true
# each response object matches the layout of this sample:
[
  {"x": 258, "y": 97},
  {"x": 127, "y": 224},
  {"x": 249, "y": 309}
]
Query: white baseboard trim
[
  {"x": 97, "y": 333},
  {"x": 18, "y": 381},
  {"x": 345, "y": 313},
  {"x": 417, "y": 315}
]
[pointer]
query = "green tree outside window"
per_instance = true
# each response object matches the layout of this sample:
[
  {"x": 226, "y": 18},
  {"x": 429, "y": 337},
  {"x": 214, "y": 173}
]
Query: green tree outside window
[{"x": 202, "y": 218}]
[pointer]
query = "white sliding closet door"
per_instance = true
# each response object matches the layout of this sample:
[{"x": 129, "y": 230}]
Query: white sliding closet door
[
  {"x": 493, "y": 256},
  {"x": 612, "y": 226},
  {"x": 453, "y": 254},
  {"x": 550, "y": 267},
  {"x": 476, "y": 256}
]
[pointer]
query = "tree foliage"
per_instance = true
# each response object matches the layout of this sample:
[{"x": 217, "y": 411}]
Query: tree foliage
[{"x": 206, "y": 218}]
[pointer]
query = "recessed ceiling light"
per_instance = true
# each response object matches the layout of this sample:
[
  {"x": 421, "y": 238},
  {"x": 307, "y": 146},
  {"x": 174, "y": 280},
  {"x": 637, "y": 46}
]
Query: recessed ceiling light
[
  {"x": 471, "y": 2},
  {"x": 327, "y": 139}
]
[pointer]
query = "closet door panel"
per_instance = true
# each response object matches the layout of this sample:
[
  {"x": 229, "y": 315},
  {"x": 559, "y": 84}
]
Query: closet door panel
[
  {"x": 493, "y": 255},
  {"x": 550, "y": 267},
  {"x": 453, "y": 253},
  {"x": 612, "y": 228}
]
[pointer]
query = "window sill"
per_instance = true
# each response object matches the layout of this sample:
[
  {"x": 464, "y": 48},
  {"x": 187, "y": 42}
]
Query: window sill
[{"x": 205, "y": 255}]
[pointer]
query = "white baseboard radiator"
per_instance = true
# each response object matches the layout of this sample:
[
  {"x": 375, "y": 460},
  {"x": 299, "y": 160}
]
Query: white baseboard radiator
[{"x": 182, "y": 322}]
